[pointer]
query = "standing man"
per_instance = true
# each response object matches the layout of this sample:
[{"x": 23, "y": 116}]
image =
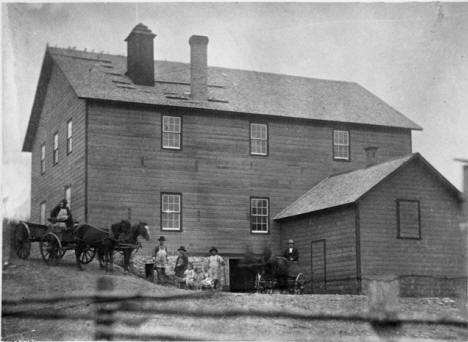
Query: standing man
[
  {"x": 291, "y": 253},
  {"x": 160, "y": 260},
  {"x": 61, "y": 215},
  {"x": 215, "y": 262}
]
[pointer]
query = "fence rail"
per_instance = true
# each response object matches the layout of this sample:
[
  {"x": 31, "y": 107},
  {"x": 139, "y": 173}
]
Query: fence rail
[{"x": 113, "y": 309}]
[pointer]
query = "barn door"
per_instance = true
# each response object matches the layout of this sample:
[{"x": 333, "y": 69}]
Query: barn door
[{"x": 319, "y": 266}]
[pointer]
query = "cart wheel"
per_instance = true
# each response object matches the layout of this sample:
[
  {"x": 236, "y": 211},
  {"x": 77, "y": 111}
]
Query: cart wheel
[
  {"x": 299, "y": 284},
  {"x": 87, "y": 255},
  {"x": 51, "y": 249},
  {"x": 22, "y": 241}
]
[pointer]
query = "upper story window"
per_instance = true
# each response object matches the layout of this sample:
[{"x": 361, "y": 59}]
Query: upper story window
[
  {"x": 171, "y": 211},
  {"x": 259, "y": 215},
  {"x": 171, "y": 132},
  {"x": 341, "y": 145},
  {"x": 408, "y": 219},
  {"x": 42, "y": 159},
  {"x": 69, "y": 136},
  {"x": 43, "y": 213},
  {"x": 68, "y": 195},
  {"x": 55, "y": 151},
  {"x": 258, "y": 139}
]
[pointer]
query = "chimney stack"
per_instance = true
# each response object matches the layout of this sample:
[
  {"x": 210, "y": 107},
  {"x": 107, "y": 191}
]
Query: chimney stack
[
  {"x": 140, "y": 55},
  {"x": 198, "y": 68},
  {"x": 371, "y": 155}
]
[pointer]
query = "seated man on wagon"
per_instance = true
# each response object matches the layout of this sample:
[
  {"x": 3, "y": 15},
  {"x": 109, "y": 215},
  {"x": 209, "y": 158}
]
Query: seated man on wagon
[
  {"x": 61, "y": 215},
  {"x": 291, "y": 253}
]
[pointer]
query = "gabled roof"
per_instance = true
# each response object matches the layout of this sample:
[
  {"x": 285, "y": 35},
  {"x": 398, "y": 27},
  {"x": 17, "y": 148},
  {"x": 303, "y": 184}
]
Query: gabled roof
[
  {"x": 102, "y": 77},
  {"x": 347, "y": 188}
]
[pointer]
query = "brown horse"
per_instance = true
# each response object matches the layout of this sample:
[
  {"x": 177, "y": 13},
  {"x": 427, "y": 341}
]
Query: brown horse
[
  {"x": 131, "y": 238},
  {"x": 271, "y": 267},
  {"x": 87, "y": 236}
]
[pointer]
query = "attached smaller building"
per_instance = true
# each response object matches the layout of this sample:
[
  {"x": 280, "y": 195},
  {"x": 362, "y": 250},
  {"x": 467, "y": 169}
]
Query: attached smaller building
[{"x": 399, "y": 219}]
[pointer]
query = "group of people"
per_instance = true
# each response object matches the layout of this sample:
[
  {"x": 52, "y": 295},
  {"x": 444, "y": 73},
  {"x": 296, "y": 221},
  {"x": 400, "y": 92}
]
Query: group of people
[{"x": 185, "y": 274}]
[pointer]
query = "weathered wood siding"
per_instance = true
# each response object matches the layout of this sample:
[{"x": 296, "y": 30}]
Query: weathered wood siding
[
  {"x": 337, "y": 228},
  {"x": 214, "y": 170},
  {"x": 60, "y": 105},
  {"x": 441, "y": 251}
]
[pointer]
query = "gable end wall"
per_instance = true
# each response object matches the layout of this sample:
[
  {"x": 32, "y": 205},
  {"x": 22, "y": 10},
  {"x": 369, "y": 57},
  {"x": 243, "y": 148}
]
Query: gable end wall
[{"x": 60, "y": 105}]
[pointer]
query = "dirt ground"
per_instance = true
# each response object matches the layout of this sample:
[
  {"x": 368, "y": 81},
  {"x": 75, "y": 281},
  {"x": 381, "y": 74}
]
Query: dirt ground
[{"x": 32, "y": 278}]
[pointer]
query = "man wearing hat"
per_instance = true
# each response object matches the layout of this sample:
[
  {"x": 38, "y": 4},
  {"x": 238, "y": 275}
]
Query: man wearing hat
[
  {"x": 215, "y": 262},
  {"x": 61, "y": 215},
  {"x": 160, "y": 260},
  {"x": 181, "y": 262},
  {"x": 291, "y": 253}
]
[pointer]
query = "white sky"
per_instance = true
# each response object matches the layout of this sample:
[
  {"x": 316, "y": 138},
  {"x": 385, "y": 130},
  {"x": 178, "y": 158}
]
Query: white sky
[{"x": 414, "y": 56}]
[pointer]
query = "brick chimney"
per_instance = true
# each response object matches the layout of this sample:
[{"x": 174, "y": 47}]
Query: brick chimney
[
  {"x": 371, "y": 155},
  {"x": 140, "y": 55},
  {"x": 198, "y": 68}
]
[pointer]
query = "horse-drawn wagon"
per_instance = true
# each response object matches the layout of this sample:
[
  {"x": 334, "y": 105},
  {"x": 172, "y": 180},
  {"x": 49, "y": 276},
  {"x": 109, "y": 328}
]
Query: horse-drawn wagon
[{"x": 54, "y": 242}]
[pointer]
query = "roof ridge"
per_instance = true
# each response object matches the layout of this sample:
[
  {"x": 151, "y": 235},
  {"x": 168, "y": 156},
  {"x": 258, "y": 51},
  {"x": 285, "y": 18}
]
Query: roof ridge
[{"x": 209, "y": 66}]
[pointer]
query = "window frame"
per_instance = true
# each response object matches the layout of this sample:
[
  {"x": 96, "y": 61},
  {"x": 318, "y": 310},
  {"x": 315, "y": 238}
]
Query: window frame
[
  {"x": 399, "y": 236},
  {"x": 161, "y": 212},
  {"x": 267, "y": 140},
  {"x": 68, "y": 198},
  {"x": 335, "y": 158},
  {"x": 69, "y": 136},
  {"x": 41, "y": 220},
  {"x": 43, "y": 158},
  {"x": 180, "y": 133},
  {"x": 55, "y": 149},
  {"x": 251, "y": 216}
]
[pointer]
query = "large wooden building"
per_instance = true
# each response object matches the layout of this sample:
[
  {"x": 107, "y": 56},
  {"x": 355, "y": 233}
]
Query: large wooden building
[{"x": 205, "y": 155}]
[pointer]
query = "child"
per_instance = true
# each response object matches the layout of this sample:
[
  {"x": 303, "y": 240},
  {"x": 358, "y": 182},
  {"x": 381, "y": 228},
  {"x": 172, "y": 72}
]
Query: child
[
  {"x": 190, "y": 277},
  {"x": 206, "y": 282}
]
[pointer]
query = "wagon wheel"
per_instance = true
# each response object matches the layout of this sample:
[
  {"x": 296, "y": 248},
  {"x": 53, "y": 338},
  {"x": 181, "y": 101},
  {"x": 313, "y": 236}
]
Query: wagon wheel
[
  {"x": 299, "y": 284},
  {"x": 22, "y": 241},
  {"x": 87, "y": 255},
  {"x": 51, "y": 249}
]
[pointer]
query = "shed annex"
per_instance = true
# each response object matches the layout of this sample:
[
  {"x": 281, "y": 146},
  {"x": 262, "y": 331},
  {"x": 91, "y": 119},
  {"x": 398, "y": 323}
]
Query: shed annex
[{"x": 399, "y": 218}]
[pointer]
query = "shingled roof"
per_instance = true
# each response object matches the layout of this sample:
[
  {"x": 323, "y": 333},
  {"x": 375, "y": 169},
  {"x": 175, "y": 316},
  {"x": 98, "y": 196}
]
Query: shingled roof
[
  {"x": 347, "y": 188},
  {"x": 102, "y": 77}
]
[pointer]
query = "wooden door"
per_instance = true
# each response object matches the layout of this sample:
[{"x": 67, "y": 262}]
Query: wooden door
[{"x": 319, "y": 266}]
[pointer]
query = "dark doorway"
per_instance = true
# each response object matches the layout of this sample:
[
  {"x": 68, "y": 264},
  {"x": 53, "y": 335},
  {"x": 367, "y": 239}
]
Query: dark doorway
[
  {"x": 319, "y": 266},
  {"x": 241, "y": 279}
]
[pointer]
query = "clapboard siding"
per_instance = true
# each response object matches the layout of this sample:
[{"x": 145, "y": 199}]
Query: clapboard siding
[
  {"x": 439, "y": 253},
  {"x": 214, "y": 170},
  {"x": 60, "y": 105},
  {"x": 337, "y": 227}
]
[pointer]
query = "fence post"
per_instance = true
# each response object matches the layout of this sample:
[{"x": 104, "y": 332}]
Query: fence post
[
  {"x": 104, "y": 311},
  {"x": 384, "y": 295}
]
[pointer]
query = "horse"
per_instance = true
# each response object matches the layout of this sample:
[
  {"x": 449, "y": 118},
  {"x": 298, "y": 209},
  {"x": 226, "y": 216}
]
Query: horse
[
  {"x": 271, "y": 267},
  {"x": 132, "y": 238},
  {"x": 105, "y": 253},
  {"x": 88, "y": 236}
]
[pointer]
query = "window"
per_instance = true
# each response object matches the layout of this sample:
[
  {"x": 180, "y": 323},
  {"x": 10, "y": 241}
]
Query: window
[
  {"x": 171, "y": 132},
  {"x": 408, "y": 219},
  {"x": 42, "y": 159},
  {"x": 68, "y": 195},
  {"x": 43, "y": 213},
  {"x": 69, "y": 137},
  {"x": 340, "y": 145},
  {"x": 258, "y": 139},
  {"x": 259, "y": 216},
  {"x": 171, "y": 211},
  {"x": 55, "y": 152}
]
